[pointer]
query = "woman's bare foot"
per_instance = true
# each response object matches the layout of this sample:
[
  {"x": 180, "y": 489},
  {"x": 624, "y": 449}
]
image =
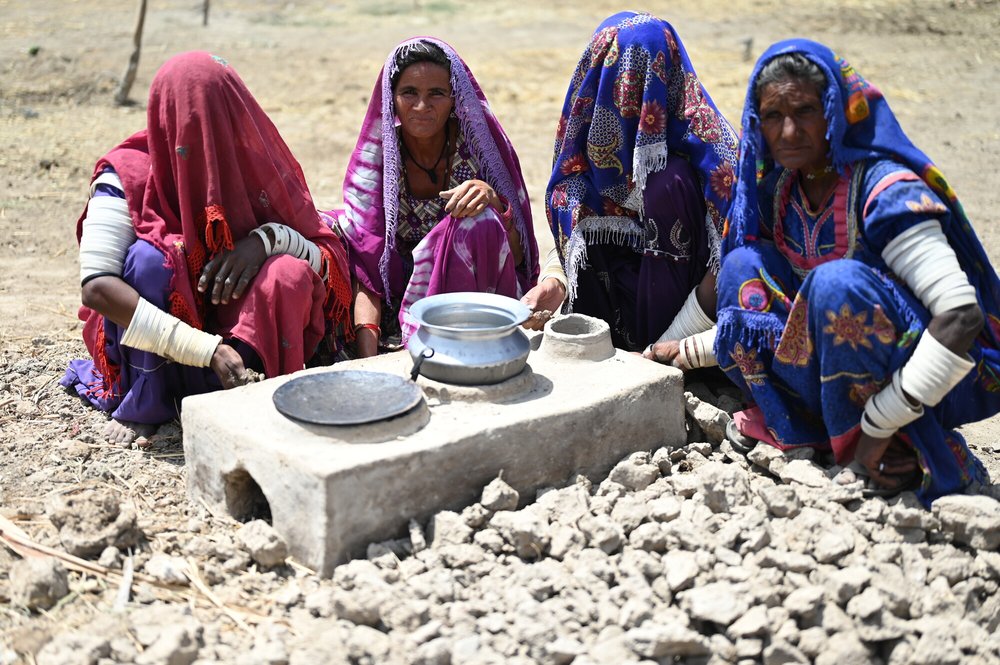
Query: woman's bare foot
[{"x": 124, "y": 433}]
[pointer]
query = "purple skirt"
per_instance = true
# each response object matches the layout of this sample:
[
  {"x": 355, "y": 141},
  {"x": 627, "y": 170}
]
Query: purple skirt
[{"x": 150, "y": 387}]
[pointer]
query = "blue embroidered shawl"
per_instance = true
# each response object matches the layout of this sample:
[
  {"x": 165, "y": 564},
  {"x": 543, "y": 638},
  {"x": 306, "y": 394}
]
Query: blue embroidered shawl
[{"x": 634, "y": 98}]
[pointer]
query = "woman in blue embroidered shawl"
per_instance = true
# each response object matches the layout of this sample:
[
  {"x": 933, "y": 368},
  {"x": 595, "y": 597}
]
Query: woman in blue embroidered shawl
[
  {"x": 643, "y": 165},
  {"x": 853, "y": 291}
]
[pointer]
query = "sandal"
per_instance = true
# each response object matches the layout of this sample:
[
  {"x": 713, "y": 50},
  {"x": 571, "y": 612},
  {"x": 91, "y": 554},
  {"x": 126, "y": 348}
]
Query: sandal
[{"x": 740, "y": 442}]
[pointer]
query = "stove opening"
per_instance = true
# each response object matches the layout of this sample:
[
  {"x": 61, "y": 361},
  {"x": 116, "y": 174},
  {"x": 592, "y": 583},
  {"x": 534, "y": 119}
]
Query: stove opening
[{"x": 245, "y": 501}]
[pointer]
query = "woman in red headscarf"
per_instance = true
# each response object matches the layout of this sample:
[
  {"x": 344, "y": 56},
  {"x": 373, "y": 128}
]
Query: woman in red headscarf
[{"x": 201, "y": 254}]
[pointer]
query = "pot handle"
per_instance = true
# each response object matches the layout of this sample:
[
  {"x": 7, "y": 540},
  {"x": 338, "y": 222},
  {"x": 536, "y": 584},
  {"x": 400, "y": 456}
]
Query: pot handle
[{"x": 419, "y": 360}]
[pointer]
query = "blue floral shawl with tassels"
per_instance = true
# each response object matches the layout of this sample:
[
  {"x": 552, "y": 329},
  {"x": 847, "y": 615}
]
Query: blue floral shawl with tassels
[{"x": 634, "y": 99}]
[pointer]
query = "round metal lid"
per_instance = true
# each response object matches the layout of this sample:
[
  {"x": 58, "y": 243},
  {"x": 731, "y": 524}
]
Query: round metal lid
[{"x": 349, "y": 397}]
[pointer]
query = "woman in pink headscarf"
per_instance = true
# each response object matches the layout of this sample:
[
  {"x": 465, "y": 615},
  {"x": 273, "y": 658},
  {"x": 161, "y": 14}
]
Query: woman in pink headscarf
[
  {"x": 201, "y": 254},
  {"x": 435, "y": 201}
]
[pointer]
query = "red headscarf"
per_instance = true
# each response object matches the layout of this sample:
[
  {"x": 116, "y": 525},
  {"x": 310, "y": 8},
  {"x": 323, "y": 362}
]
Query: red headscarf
[{"x": 215, "y": 169}]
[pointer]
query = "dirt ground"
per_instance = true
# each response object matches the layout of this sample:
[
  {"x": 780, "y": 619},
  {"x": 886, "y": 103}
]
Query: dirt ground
[{"x": 312, "y": 65}]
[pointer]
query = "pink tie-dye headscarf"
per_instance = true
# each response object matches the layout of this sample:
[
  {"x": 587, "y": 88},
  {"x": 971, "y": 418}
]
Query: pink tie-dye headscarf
[{"x": 371, "y": 186}]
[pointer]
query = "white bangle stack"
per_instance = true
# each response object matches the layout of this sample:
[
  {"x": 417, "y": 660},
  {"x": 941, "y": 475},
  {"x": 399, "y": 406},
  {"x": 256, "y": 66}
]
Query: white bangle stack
[
  {"x": 289, "y": 241},
  {"x": 107, "y": 231},
  {"x": 888, "y": 410},
  {"x": 924, "y": 260},
  {"x": 156, "y": 331},
  {"x": 106, "y": 238},
  {"x": 930, "y": 374},
  {"x": 699, "y": 350},
  {"x": 691, "y": 320},
  {"x": 933, "y": 370}
]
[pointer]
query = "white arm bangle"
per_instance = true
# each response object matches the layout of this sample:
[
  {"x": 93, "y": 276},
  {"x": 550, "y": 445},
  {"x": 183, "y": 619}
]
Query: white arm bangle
[
  {"x": 691, "y": 320},
  {"x": 108, "y": 178},
  {"x": 888, "y": 410},
  {"x": 289, "y": 241},
  {"x": 933, "y": 370},
  {"x": 924, "y": 260},
  {"x": 107, "y": 235},
  {"x": 156, "y": 331},
  {"x": 698, "y": 350},
  {"x": 261, "y": 233},
  {"x": 553, "y": 268}
]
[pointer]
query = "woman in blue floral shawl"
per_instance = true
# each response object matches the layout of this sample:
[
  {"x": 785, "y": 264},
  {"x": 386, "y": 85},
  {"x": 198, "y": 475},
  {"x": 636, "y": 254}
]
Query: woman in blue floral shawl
[
  {"x": 641, "y": 176},
  {"x": 856, "y": 306}
]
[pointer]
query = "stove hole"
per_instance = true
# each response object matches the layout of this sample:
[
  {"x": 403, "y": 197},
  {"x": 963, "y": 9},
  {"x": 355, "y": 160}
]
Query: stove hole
[
  {"x": 575, "y": 325},
  {"x": 245, "y": 501}
]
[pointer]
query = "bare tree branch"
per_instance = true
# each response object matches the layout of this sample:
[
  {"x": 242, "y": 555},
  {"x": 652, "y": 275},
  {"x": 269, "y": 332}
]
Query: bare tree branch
[{"x": 121, "y": 97}]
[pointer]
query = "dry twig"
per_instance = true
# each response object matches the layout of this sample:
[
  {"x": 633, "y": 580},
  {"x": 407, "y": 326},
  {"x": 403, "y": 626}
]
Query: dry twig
[
  {"x": 125, "y": 590},
  {"x": 299, "y": 567},
  {"x": 18, "y": 541},
  {"x": 133, "y": 61},
  {"x": 192, "y": 574}
]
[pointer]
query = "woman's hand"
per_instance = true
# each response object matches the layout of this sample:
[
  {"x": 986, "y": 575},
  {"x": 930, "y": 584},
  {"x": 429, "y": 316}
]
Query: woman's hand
[
  {"x": 228, "y": 366},
  {"x": 667, "y": 353},
  {"x": 470, "y": 198},
  {"x": 229, "y": 273},
  {"x": 544, "y": 298},
  {"x": 890, "y": 463}
]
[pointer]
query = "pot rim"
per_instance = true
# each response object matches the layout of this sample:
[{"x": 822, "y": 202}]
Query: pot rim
[{"x": 515, "y": 310}]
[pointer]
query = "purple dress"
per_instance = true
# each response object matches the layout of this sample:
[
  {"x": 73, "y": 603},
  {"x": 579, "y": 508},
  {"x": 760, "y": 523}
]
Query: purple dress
[{"x": 640, "y": 291}]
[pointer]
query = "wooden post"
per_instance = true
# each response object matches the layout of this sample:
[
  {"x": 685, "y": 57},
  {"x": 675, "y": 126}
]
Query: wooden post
[
  {"x": 121, "y": 97},
  {"x": 204, "y": 12}
]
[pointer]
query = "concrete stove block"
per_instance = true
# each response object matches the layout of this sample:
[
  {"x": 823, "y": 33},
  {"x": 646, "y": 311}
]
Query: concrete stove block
[{"x": 332, "y": 490}]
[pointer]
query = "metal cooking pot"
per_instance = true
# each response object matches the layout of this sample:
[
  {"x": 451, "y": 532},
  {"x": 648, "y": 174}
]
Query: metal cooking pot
[{"x": 469, "y": 338}]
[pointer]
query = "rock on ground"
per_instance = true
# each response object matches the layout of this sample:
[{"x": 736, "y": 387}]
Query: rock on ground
[
  {"x": 38, "y": 583},
  {"x": 92, "y": 519},
  {"x": 264, "y": 544},
  {"x": 970, "y": 520}
]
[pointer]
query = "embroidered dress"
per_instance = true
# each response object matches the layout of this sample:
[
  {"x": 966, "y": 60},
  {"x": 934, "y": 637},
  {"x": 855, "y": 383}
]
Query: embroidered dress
[
  {"x": 418, "y": 216},
  {"x": 641, "y": 178},
  {"x": 811, "y": 320},
  {"x": 185, "y": 209},
  {"x": 398, "y": 250}
]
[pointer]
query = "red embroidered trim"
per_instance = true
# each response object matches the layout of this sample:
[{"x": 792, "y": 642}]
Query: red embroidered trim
[
  {"x": 180, "y": 308},
  {"x": 338, "y": 293},
  {"x": 217, "y": 233},
  {"x": 840, "y": 234},
  {"x": 110, "y": 372},
  {"x": 886, "y": 182},
  {"x": 195, "y": 258}
]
